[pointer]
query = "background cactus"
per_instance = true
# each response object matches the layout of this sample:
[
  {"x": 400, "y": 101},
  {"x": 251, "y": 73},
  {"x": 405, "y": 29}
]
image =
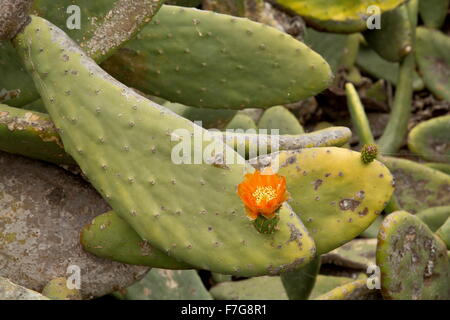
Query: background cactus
[
  {"x": 413, "y": 261},
  {"x": 434, "y": 63},
  {"x": 431, "y": 139}
]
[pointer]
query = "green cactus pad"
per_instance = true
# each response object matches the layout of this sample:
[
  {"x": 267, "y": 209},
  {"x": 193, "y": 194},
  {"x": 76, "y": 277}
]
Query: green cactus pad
[
  {"x": 258, "y": 288},
  {"x": 241, "y": 121},
  {"x": 331, "y": 46},
  {"x": 210, "y": 118},
  {"x": 161, "y": 284},
  {"x": 412, "y": 260},
  {"x": 282, "y": 119},
  {"x": 431, "y": 139},
  {"x": 204, "y": 59},
  {"x": 444, "y": 233},
  {"x": 356, "y": 290},
  {"x": 108, "y": 236},
  {"x": 300, "y": 282},
  {"x": 123, "y": 144},
  {"x": 370, "y": 62},
  {"x": 394, "y": 40},
  {"x": 31, "y": 134},
  {"x": 356, "y": 254},
  {"x": 57, "y": 289},
  {"x": 434, "y": 217},
  {"x": 333, "y": 192},
  {"x": 433, "y": 12},
  {"x": 12, "y": 291},
  {"x": 343, "y": 16},
  {"x": 104, "y": 24},
  {"x": 16, "y": 85},
  {"x": 418, "y": 187},
  {"x": 434, "y": 61}
]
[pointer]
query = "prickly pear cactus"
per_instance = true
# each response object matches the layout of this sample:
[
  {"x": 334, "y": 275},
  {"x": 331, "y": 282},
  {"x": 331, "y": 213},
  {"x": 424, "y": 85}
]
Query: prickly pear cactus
[
  {"x": 104, "y": 26},
  {"x": 87, "y": 103},
  {"x": 413, "y": 261},
  {"x": 418, "y": 187},
  {"x": 431, "y": 139},
  {"x": 338, "y": 200},
  {"x": 300, "y": 282},
  {"x": 433, "y": 60},
  {"x": 241, "y": 121},
  {"x": 433, "y": 12},
  {"x": 269, "y": 66},
  {"x": 42, "y": 140}
]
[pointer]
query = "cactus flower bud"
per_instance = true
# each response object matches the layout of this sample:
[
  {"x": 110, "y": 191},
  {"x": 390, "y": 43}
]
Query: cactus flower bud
[{"x": 369, "y": 153}]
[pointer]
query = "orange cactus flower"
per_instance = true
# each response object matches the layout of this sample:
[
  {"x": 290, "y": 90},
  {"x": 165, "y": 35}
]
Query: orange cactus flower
[{"x": 262, "y": 193}]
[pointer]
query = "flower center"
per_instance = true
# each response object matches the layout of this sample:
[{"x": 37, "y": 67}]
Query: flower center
[{"x": 267, "y": 193}]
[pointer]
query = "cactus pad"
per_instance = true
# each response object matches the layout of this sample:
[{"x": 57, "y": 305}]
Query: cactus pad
[
  {"x": 434, "y": 62},
  {"x": 418, "y": 187},
  {"x": 205, "y": 59},
  {"x": 346, "y": 16},
  {"x": 338, "y": 199},
  {"x": 108, "y": 236},
  {"x": 431, "y": 139},
  {"x": 413, "y": 261},
  {"x": 282, "y": 119}
]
